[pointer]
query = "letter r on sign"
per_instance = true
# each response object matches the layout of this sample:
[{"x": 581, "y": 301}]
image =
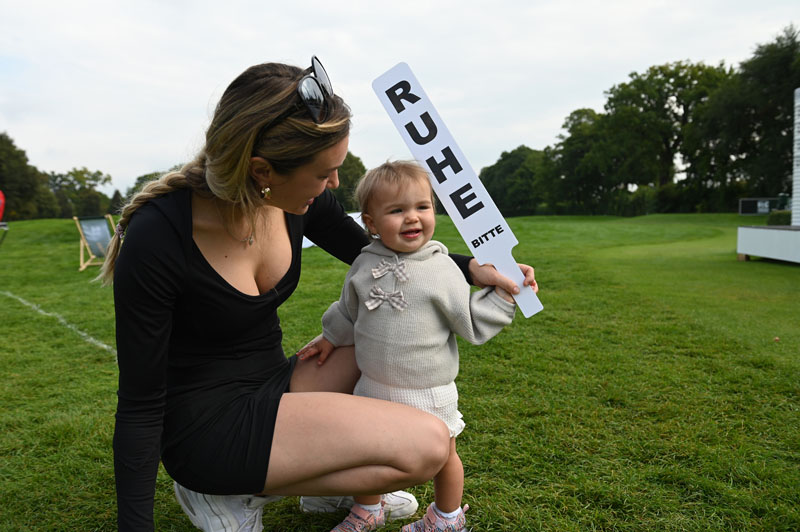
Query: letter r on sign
[{"x": 399, "y": 92}]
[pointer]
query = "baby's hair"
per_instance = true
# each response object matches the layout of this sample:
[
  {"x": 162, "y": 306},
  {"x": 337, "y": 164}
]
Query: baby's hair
[{"x": 390, "y": 172}]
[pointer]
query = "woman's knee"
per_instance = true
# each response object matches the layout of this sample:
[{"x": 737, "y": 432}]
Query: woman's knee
[{"x": 434, "y": 454}]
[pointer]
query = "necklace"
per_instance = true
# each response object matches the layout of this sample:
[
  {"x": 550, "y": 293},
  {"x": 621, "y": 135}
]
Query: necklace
[{"x": 249, "y": 239}]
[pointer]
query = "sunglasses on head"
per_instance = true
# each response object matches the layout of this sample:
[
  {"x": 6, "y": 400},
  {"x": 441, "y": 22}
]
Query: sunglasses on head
[{"x": 314, "y": 90}]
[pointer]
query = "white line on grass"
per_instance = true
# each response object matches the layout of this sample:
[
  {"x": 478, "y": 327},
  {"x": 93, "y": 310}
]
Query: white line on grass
[{"x": 62, "y": 321}]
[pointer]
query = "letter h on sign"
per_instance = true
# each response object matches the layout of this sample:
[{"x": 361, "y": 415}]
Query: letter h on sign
[{"x": 458, "y": 188}]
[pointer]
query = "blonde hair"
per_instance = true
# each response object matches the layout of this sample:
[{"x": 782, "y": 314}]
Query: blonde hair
[
  {"x": 389, "y": 173},
  {"x": 247, "y": 123}
]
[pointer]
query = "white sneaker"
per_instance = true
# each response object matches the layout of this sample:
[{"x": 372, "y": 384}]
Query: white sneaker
[
  {"x": 223, "y": 513},
  {"x": 397, "y": 505}
]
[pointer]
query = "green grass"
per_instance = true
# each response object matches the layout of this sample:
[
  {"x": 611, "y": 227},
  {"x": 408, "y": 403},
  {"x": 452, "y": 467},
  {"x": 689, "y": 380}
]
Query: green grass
[{"x": 650, "y": 394}]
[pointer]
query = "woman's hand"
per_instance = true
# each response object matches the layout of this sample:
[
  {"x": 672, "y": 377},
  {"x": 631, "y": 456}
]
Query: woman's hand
[
  {"x": 318, "y": 346},
  {"x": 486, "y": 275}
]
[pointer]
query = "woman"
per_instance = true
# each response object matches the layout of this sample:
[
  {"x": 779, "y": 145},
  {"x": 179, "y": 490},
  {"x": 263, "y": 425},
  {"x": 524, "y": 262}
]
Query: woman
[{"x": 209, "y": 254}]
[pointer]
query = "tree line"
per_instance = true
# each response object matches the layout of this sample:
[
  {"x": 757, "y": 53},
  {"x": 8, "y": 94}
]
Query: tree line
[
  {"x": 30, "y": 193},
  {"x": 679, "y": 137}
]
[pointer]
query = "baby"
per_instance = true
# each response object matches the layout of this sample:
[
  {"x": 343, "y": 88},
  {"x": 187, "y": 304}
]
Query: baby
[{"x": 402, "y": 304}]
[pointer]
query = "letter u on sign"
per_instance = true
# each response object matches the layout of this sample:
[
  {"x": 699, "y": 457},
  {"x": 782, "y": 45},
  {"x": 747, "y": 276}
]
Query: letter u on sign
[{"x": 455, "y": 183}]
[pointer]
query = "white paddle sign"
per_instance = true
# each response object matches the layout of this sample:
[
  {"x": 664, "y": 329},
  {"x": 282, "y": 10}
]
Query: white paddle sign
[{"x": 459, "y": 189}]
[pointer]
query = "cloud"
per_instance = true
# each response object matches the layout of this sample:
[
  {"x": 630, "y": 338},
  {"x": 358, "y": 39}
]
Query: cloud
[{"x": 128, "y": 87}]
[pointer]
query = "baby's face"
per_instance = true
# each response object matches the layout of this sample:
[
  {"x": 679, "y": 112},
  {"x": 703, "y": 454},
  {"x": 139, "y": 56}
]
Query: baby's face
[{"x": 403, "y": 215}]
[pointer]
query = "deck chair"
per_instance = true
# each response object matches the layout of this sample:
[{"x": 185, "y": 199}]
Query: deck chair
[{"x": 95, "y": 234}]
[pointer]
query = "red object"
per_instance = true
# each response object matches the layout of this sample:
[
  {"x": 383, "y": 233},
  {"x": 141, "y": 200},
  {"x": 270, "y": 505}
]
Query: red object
[{"x": 2, "y": 204}]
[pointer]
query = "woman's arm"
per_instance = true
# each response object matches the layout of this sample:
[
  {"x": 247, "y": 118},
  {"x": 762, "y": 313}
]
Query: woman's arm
[
  {"x": 331, "y": 228},
  {"x": 146, "y": 281},
  {"x": 328, "y": 225}
]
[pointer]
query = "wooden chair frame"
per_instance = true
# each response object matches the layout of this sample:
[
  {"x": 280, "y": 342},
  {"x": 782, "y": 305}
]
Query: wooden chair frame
[{"x": 85, "y": 248}]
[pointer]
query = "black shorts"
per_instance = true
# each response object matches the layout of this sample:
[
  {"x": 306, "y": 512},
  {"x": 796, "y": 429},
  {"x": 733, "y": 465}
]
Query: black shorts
[{"x": 229, "y": 454}]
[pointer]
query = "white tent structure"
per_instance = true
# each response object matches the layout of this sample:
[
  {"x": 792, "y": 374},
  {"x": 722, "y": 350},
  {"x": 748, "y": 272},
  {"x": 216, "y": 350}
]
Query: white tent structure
[{"x": 780, "y": 242}]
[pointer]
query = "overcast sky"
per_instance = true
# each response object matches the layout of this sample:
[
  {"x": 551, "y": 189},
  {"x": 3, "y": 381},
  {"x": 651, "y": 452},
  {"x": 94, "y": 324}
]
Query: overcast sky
[{"x": 128, "y": 87}]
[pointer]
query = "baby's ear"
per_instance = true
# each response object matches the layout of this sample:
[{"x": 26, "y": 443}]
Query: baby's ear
[{"x": 367, "y": 219}]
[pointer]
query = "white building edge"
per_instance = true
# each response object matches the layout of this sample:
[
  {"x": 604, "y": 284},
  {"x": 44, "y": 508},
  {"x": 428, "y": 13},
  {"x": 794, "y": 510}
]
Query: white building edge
[{"x": 781, "y": 242}]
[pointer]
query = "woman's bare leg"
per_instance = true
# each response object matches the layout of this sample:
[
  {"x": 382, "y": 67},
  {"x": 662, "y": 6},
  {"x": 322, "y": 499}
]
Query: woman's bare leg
[
  {"x": 339, "y": 373},
  {"x": 337, "y": 444}
]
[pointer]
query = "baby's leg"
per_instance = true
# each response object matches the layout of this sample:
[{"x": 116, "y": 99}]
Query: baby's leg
[
  {"x": 367, "y": 499},
  {"x": 446, "y": 513},
  {"x": 449, "y": 482},
  {"x": 365, "y": 515}
]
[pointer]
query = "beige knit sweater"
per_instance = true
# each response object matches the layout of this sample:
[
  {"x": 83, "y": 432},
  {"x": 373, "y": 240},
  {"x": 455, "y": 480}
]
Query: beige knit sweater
[{"x": 419, "y": 302}]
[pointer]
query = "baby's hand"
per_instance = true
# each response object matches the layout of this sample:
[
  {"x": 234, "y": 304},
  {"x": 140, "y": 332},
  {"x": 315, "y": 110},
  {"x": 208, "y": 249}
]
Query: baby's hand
[
  {"x": 505, "y": 295},
  {"x": 318, "y": 346}
]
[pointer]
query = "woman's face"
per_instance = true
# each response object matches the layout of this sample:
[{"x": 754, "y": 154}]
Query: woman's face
[{"x": 295, "y": 191}]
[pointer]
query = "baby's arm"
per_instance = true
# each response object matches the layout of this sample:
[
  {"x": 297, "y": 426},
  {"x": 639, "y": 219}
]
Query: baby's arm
[
  {"x": 337, "y": 324},
  {"x": 318, "y": 346},
  {"x": 489, "y": 311},
  {"x": 475, "y": 316}
]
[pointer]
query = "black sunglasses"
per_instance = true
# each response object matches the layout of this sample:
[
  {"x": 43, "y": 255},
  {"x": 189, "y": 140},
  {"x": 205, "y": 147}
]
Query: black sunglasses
[{"x": 314, "y": 90}]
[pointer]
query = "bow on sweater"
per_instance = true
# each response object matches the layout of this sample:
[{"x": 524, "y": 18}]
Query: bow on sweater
[
  {"x": 377, "y": 296},
  {"x": 384, "y": 267}
]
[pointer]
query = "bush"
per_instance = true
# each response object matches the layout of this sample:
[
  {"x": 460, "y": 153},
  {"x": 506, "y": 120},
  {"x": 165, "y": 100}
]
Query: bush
[{"x": 779, "y": 218}]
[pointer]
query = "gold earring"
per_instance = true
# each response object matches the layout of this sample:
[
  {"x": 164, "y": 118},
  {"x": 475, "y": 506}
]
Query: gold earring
[{"x": 266, "y": 193}]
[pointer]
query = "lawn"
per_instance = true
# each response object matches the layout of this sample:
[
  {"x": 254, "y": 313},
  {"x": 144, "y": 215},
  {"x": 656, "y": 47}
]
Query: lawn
[{"x": 658, "y": 390}]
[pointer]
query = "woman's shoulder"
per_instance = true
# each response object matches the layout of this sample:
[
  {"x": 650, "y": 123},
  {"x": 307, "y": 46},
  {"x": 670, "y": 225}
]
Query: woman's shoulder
[
  {"x": 163, "y": 221},
  {"x": 173, "y": 205},
  {"x": 173, "y": 208},
  {"x": 157, "y": 245}
]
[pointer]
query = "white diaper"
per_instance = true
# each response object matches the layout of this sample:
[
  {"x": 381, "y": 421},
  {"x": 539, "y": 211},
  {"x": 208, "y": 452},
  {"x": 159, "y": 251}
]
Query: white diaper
[{"x": 441, "y": 401}]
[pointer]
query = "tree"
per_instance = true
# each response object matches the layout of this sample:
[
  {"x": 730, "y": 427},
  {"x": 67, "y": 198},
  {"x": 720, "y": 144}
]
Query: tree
[
  {"x": 587, "y": 163},
  {"x": 19, "y": 181},
  {"x": 116, "y": 203},
  {"x": 769, "y": 79},
  {"x": 46, "y": 203},
  {"x": 499, "y": 178},
  {"x": 76, "y": 194},
  {"x": 742, "y": 138},
  {"x": 89, "y": 202},
  {"x": 527, "y": 186},
  {"x": 350, "y": 172},
  {"x": 63, "y": 204},
  {"x": 629, "y": 146},
  {"x": 653, "y": 111},
  {"x": 142, "y": 180}
]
